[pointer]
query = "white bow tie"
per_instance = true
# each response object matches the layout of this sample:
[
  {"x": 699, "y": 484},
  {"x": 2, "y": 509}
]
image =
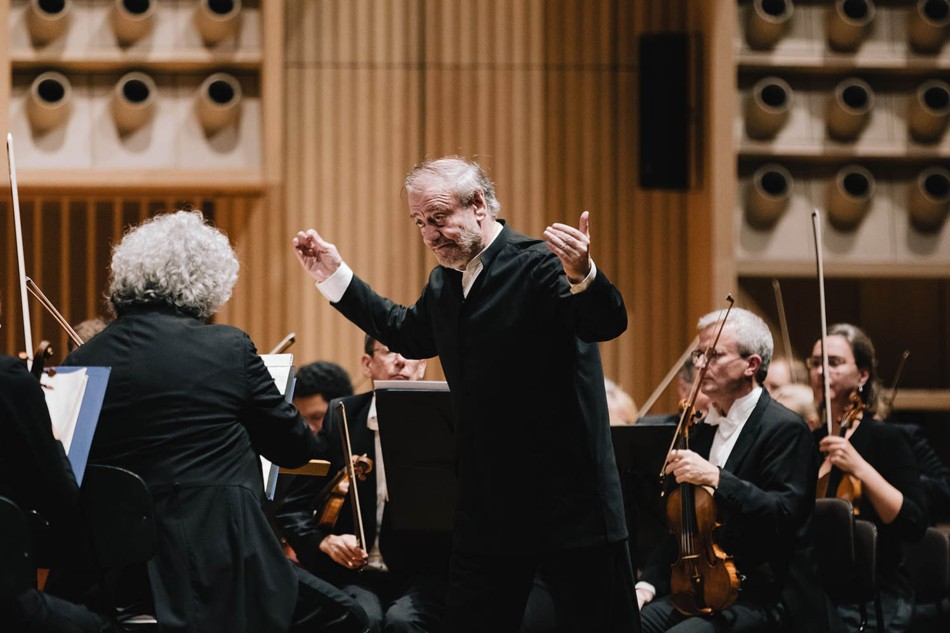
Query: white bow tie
[{"x": 727, "y": 426}]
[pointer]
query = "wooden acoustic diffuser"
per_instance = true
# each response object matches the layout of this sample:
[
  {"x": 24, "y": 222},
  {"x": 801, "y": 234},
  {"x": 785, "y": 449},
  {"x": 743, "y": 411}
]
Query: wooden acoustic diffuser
[
  {"x": 848, "y": 109},
  {"x": 47, "y": 20},
  {"x": 49, "y": 102},
  {"x": 767, "y": 196},
  {"x": 848, "y": 23},
  {"x": 219, "y": 102},
  {"x": 767, "y": 108},
  {"x": 767, "y": 22},
  {"x": 217, "y": 20},
  {"x": 849, "y": 197},
  {"x": 132, "y": 20},
  {"x": 927, "y": 25},
  {"x": 928, "y": 111},
  {"x": 133, "y": 102},
  {"x": 929, "y": 199}
]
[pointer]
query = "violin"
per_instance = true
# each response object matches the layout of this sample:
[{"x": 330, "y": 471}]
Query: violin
[
  {"x": 336, "y": 491},
  {"x": 849, "y": 486},
  {"x": 703, "y": 579}
]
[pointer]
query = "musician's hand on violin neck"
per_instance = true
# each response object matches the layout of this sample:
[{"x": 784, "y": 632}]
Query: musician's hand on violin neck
[
  {"x": 690, "y": 468},
  {"x": 344, "y": 550},
  {"x": 317, "y": 256},
  {"x": 841, "y": 453}
]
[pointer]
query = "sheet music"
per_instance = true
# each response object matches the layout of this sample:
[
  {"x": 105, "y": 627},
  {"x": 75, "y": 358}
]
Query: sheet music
[
  {"x": 64, "y": 393},
  {"x": 412, "y": 385},
  {"x": 281, "y": 368}
]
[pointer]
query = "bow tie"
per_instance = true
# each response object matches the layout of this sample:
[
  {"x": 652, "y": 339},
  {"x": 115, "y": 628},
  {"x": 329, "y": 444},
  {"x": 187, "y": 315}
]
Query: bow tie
[{"x": 727, "y": 426}]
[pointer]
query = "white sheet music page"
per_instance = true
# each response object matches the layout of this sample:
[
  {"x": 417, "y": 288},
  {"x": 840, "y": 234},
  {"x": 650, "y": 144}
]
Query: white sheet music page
[
  {"x": 64, "y": 392},
  {"x": 281, "y": 368}
]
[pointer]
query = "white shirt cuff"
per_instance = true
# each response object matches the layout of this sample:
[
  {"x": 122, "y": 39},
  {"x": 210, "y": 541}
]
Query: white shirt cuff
[
  {"x": 645, "y": 586},
  {"x": 334, "y": 286},
  {"x": 581, "y": 286}
]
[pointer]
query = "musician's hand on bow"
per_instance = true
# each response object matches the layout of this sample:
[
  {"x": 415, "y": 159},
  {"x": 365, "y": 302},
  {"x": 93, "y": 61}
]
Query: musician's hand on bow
[
  {"x": 317, "y": 256},
  {"x": 572, "y": 246},
  {"x": 690, "y": 468},
  {"x": 344, "y": 550},
  {"x": 841, "y": 453}
]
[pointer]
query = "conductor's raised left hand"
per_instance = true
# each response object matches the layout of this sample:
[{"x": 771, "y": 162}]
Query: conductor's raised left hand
[{"x": 572, "y": 246}]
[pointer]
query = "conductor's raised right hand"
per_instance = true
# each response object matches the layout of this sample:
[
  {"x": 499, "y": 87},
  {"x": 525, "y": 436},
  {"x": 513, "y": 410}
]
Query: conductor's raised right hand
[
  {"x": 317, "y": 256},
  {"x": 344, "y": 550}
]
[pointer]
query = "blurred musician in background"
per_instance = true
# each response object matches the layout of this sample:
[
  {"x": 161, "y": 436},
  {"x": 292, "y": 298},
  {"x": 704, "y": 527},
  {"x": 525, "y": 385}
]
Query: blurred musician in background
[
  {"x": 189, "y": 406},
  {"x": 388, "y": 577},
  {"x": 878, "y": 455},
  {"x": 515, "y": 322}
]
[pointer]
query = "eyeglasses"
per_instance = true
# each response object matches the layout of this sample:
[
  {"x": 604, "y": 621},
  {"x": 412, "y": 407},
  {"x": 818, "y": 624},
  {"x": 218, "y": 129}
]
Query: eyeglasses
[
  {"x": 714, "y": 355},
  {"x": 834, "y": 362}
]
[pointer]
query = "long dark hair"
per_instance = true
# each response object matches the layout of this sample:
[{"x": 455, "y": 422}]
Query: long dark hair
[{"x": 866, "y": 359}]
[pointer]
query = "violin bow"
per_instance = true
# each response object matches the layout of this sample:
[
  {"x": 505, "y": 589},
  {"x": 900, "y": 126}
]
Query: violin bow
[
  {"x": 826, "y": 384},
  {"x": 667, "y": 379},
  {"x": 46, "y": 303},
  {"x": 351, "y": 473},
  {"x": 285, "y": 343},
  {"x": 682, "y": 426},
  {"x": 783, "y": 324},
  {"x": 21, "y": 265},
  {"x": 897, "y": 377}
]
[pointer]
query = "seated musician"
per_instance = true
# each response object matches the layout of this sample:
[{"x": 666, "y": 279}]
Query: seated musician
[
  {"x": 389, "y": 578},
  {"x": 188, "y": 407},
  {"x": 758, "y": 460},
  {"x": 35, "y": 474},
  {"x": 878, "y": 455}
]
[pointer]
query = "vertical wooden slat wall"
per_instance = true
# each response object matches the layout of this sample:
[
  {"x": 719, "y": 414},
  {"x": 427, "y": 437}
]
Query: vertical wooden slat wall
[{"x": 542, "y": 92}]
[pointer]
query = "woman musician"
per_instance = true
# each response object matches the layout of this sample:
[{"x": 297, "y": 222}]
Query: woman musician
[{"x": 874, "y": 455}]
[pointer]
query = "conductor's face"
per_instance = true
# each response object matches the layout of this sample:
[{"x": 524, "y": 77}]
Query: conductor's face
[{"x": 452, "y": 231}]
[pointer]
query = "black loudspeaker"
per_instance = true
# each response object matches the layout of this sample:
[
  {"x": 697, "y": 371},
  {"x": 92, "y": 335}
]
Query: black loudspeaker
[{"x": 668, "y": 115}]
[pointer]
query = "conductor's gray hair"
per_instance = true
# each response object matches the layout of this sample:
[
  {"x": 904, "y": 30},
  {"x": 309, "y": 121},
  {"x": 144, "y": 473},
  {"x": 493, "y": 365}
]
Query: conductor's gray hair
[
  {"x": 176, "y": 260},
  {"x": 463, "y": 178},
  {"x": 751, "y": 333}
]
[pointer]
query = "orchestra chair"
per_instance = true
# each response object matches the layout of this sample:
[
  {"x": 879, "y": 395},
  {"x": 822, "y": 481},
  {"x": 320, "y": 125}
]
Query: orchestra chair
[
  {"x": 17, "y": 567},
  {"x": 119, "y": 519},
  {"x": 928, "y": 562},
  {"x": 847, "y": 556}
]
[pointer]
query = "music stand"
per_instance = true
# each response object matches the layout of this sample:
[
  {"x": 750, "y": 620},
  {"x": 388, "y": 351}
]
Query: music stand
[
  {"x": 640, "y": 451},
  {"x": 417, "y": 433}
]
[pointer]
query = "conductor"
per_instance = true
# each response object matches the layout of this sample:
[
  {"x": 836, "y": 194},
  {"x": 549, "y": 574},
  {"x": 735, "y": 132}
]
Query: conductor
[{"x": 515, "y": 322}]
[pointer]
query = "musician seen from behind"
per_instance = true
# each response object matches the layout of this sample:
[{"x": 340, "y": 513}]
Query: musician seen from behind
[
  {"x": 515, "y": 322},
  {"x": 188, "y": 407},
  {"x": 36, "y": 475},
  {"x": 758, "y": 460},
  {"x": 390, "y": 576},
  {"x": 878, "y": 455}
]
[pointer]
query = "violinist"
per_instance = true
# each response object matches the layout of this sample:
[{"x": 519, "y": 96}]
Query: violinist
[
  {"x": 35, "y": 474},
  {"x": 749, "y": 452},
  {"x": 386, "y": 576},
  {"x": 189, "y": 407},
  {"x": 878, "y": 456}
]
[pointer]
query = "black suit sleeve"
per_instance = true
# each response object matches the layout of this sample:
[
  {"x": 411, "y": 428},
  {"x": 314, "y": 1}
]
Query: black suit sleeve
[
  {"x": 38, "y": 467},
  {"x": 934, "y": 474}
]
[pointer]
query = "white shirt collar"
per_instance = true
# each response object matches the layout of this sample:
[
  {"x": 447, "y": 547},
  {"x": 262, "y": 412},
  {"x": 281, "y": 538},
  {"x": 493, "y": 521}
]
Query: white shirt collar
[{"x": 737, "y": 415}]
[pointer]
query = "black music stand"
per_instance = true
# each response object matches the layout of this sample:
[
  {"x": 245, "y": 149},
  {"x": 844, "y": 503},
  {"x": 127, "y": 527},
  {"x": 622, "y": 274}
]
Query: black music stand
[
  {"x": 417, "y": 433},
  {"x": 640, "y": 451}
]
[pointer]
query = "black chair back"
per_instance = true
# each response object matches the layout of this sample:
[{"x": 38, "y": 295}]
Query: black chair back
[
  {"x": 928, "y": 562},
  {"x": 17, "y": 569}
]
